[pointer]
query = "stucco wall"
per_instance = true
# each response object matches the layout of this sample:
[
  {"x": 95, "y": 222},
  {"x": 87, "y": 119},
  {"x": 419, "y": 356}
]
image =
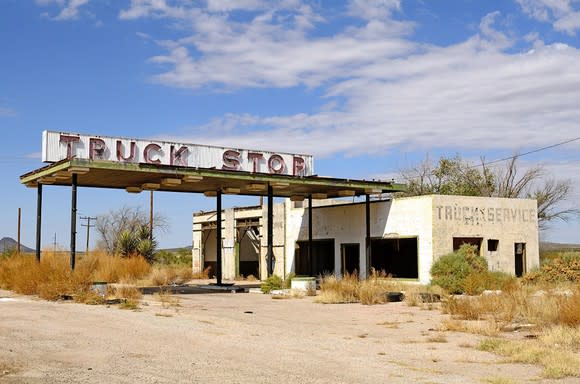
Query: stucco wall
[
  {"x": 434, "y": 220},
  {"x": 509, "y": 221}
]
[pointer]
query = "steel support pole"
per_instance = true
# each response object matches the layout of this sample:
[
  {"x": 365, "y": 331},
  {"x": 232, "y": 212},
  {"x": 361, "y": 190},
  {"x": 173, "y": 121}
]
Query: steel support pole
[
  {"x": 368, "y": 234},
  {"x": 218, "y": 234},
  {"x": 19, "y": 222},
  {"x": 38, "y": 219},
  {"x": 310, "y": 256},
  {"x": 73, "y": 222},
  {"x": 270, "y": 253}
]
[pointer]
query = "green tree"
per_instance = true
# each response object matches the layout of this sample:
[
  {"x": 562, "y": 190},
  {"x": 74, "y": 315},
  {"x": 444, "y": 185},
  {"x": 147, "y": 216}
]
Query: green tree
[
  {"x": 126, "y": 232},
  {"x": 455, "y": 176}
]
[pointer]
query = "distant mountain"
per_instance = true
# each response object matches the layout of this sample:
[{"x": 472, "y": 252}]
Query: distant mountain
[
  {"x": 8, "y": 243},
  {"x": 547, "y": 246}
]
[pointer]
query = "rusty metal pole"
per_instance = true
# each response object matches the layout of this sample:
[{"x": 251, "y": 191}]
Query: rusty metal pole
[
  {"x": 38, "y": 220},
  {"x": 151, "y": 216},
  {"x": 73, "y": 222},
  {"x": 218, "y": 231},
  {"x": 368, "y": 235},
  {"x": 19, "y": 220},
  {"x": 310, "y": 255},
  {"x": 270, "y": 252}
]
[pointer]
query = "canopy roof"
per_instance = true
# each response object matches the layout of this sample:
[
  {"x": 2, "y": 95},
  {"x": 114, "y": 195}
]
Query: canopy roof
[{"x": 137, "y": 177}]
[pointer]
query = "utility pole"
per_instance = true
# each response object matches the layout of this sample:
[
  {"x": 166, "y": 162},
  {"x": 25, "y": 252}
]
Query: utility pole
[{"x": 89, "y": 226}]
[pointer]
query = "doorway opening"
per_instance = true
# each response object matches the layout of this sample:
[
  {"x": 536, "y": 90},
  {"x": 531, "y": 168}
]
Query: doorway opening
[
  {"x": 209, "y": 248},
  {"x": 397, "y": 257},
  {"x": 350, "y": 256},
  {"x": 321, "y": 262},
  {"x": 248, "y": 248},
  {"x": 520, "y": 259}
]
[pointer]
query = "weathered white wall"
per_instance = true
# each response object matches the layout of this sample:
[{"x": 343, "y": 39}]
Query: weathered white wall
[
  {"x": 434, "y": 220},
  {"x": 507, "y": 220}
]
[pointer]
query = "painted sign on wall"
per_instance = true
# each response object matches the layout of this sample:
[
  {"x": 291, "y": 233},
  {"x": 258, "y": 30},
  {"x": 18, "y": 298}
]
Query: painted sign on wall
[
  {"x": 479, "y": 215},
  {"x": 57, "y": 146}
]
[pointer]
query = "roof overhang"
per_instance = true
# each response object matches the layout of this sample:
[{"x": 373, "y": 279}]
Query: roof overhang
[{"x": 138, "y": 177}]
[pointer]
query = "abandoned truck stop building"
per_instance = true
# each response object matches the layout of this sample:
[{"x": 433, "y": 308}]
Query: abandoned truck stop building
[
  {"x": 407, "y": 236},
  {"x": 312, "y": 232}
]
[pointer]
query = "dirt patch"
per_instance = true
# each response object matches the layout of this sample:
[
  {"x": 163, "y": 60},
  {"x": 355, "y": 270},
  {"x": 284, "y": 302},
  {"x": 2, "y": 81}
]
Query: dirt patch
[{"x": 240, "y": 338}]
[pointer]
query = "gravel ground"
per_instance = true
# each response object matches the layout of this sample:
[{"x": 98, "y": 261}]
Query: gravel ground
[{"x": 240, "y": 338}]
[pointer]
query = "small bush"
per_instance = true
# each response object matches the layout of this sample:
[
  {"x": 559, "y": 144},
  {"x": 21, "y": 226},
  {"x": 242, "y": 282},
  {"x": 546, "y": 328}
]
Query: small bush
[
  {"x": 273, "y": 282},
  {"x": 459, "y": 270},
  {"x": 562, "y": 268}
]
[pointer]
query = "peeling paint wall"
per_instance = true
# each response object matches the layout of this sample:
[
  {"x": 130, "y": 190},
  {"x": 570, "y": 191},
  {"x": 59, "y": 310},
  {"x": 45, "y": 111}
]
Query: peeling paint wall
[{"x": 434, "y": 220}]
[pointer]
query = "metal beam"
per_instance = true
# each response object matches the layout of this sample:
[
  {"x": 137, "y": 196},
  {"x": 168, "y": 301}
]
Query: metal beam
[
  {"x": 218, "y": 234},
  {"x": 38, "y": 219},
  {"x": 73, "y": 222},
  {"x": 368, "y": 234},
  {"x": 210, "y": 178},
  {"x": 310, "y": 256},
  {"x": 270, "y": 252}
]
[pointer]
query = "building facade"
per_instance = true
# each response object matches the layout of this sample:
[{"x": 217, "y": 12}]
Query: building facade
[{"x": 407, "y": 236}]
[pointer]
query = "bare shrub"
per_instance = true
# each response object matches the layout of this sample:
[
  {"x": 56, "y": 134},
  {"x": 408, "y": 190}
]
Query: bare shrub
[{"x": 334, "y": 290}]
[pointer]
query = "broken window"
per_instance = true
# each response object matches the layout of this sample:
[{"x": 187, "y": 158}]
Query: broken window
[
  {"x": 397, "y": 257},
  {"x": 321, "y": 262},
  {"x": 492, "y": 245},
  {"x": 459, "y": 241}
]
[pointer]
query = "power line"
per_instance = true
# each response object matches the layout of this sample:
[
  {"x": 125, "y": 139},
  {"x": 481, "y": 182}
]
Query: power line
[
  {"x": 511, "y": 157},
  {"x": 533, "y": 151}
]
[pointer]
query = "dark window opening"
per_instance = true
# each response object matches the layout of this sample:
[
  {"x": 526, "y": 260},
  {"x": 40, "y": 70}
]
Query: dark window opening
[
  {"x": 396, "y": 257},
  {"x": 350, "y": 255},
  {"x": 492, "y": 245},
  {"x": 321, "y": 262},
  {"x": 248, "y": 248},
  {"x": 520, "y": 259},
  {"x": 459, "y": 241},
  {"x": 209, "y": 248}
]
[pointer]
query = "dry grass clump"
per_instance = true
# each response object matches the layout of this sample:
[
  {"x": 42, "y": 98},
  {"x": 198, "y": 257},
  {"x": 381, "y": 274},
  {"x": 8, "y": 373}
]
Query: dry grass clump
[
  {"x": 335, "y": 291},
  {"x": 349, "y": 289},
  {"x": 203, "y": 275},
  {"x": 570, "y": 309},
  {"x": 557, "y": 349},
  {"x": 525, "y": 305},
  {"x": 478, "y": 327},
  {"x": 172, "y": 275},
  {"x": 52, "y": 278},
  {"x": 49, "y": 279},
  {"x": 103, "y": 267}
]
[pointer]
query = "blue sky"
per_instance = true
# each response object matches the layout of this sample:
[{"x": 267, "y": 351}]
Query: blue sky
[{"x": 369, "y": 87}]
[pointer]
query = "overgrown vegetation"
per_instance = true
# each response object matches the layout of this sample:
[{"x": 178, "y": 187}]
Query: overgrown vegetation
[
  {"x": 464, "y": 271},
  {"x": 349, "y": 289},
  {"x": 557, "y": 349},
  {"x": 52, "y": 278},
  {"x": 275, "y": 282},
  {"x": 545, "y": 302},
  {"x": 126, "y": 232},
  {"x": 561, "y": 267},
  {"x": 455, "y": 176}
]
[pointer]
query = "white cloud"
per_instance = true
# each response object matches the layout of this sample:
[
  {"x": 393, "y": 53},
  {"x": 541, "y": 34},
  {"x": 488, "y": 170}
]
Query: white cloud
[
  {"x": 561, "y": 13},
  {"x": 7, "y": 112},
  {"x": 69, "y": 9},
  {"x": 382, "y": 90},
  {"x": 373, "y": 9}
]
